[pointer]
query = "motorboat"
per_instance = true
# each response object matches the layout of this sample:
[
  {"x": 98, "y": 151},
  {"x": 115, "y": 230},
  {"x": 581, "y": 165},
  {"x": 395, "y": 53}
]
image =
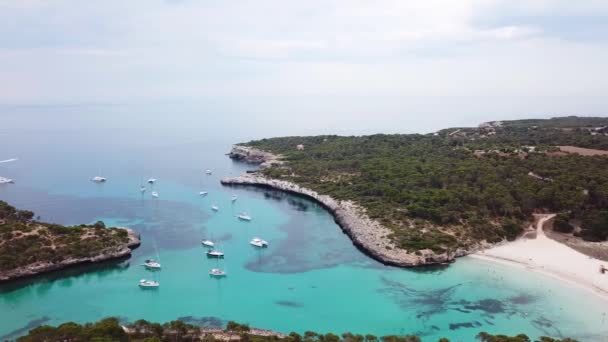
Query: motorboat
[
  {"x": 6, "y": 180},
  {"x": 215, "y": 207},
  {"x": 244, "y": 217},
  {"x": 212, "y": 253},
  {"x": 150, "y": 263},
  {"x": 152, "y": 180},
  {"x": 234, "y": 198},
  {"x": 154, "y": 194},
  {"x": 257, "y": 242},
  {"x": 142, "y": 189},
  {"x": 208, "y": 172},
  {"x": 148, "y": 283},
  {"x": 216, "y": 272},
  {"x": 208, "y": 243},
  {"x": 203, "y": 193},
  {"x": 98, "y": 179}
]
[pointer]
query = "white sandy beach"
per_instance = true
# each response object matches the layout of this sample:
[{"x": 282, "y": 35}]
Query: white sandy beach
[{"x": 551, "y": 258}]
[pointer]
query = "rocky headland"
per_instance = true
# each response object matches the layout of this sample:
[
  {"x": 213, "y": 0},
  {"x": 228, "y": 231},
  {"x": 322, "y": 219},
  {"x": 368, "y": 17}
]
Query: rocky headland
[
  {"x": 368, "y": 235},
  {"x": 115, "y": 252}
]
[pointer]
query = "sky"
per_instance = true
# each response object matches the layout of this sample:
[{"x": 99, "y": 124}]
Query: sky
[{"x": 407, "y": 65}]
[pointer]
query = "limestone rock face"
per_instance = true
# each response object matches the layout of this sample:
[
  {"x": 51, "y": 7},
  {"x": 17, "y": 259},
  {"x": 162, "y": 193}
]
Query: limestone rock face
[
  {"x": 368, "y": 235},
  {"x": 253, "y": 156}
]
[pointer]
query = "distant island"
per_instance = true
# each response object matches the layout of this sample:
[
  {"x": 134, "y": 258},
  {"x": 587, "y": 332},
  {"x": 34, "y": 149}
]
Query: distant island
[
  {"x": 29, "y": 247},
  {"x": 414, "y": 199},
  {"x": 110, "y": 329}
]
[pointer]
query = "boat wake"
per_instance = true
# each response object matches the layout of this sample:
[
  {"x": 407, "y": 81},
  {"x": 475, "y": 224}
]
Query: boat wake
[{"x": 8, "y": 160}]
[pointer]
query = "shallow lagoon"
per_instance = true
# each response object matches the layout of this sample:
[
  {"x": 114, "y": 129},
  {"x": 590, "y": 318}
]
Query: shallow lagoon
[{"x": 310, "y": 278}]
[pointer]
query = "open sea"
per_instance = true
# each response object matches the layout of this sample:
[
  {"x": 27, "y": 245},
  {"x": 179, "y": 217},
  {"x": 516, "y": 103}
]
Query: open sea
[{"x": 311, "y": 277}]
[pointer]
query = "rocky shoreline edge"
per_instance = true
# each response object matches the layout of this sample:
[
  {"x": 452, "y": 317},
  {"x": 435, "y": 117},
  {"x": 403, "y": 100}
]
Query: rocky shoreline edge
[
  {"x": 41, "y": 268},
  {"x": 370, "y": 236},
  {"x": 366, "y": 234}
]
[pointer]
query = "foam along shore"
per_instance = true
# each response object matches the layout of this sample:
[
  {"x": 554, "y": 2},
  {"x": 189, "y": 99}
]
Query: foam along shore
[
  {"x": 549, "y": 257},
  {"x": 367, "y": 234},
  {"x": 44, "y": 267}
]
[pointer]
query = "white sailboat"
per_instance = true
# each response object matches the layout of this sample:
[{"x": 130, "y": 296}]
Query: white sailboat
[
  {"x": 208, "y": 243},
  {"x": 213, "y": 253},
  {"x": 142, "y": 189},
  {"x": 244, "y": 217},
  {"x": 148, "y": 283},
  {"x": 6, "y": 180},
  {"x": 152, "y": 264},
  {"x": 257, "y": 242},
  {"x": 203, "y": 193},
  {"x": 216, "y": 272},
  {"x": 234, "y": 198},
  {"x": 215, "y": 207},
  {"x": 98, "y": 179},
  {"x": 208, "y": 172},
  {"x": 154, "y": 194}
]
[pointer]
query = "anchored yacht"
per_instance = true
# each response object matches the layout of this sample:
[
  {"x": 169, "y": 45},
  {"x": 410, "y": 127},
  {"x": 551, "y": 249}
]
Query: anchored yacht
[
  {"x": 152, "y": 180},
  {"x": 216, "y": 272},
  {"x": 148, "y": 283},
  {"x": 154, "y": 194},
  {"x": 203, "y": 193},
  {"x": 257, "y": 242},
  {"x": 6, "y": 180},
  {"x": 151, "y": 263},
  {"x": 234, "y": 198},
  {"x": 208, "y": 172},
  {"x": 215, "y": 207},
  {"x": 98, "y": 179},
  {"x": 208, "y": 243},
  {"x": 244, "y": 217},
  {"x": 212, "y": 253}
]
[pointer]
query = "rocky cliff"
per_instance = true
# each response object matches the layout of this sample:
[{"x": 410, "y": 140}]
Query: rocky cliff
[{"x": 367, "y": 234}]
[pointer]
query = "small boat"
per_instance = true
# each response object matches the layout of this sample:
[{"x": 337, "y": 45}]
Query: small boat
[
  {"x": 234, "y": 198},
  {"x": 244, "y": 217},
  {"x": 215, "y": 207},
  {"x": 203, "y": 193},
  {"x": 98, "y": 179},
  {"x": 152, "y": 180},
  {"x": 148, "y": 283},
  {"x": 6, "y": 180},
  {"x": 150, "y": 263},
  {"x": 142, "y": 189},
  {"x": 212, "y": 253},
  {"x": 216, "y": 272},
  {"x": 208, "y": 243},
  {"x": 257, "y": 242},
  {"x": 154, "y": 194},
  {"x": 208, "y": 172}
]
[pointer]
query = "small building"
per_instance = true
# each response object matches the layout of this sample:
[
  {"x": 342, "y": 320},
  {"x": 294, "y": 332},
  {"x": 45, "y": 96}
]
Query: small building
[{"x": 300, "y": 147}]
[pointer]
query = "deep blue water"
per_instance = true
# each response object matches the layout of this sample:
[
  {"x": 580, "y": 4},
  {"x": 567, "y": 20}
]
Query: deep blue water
[{"x": 310, "y": 278}]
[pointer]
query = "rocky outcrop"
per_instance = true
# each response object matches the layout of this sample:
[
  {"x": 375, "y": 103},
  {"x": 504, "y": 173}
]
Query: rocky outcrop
[
  {"x": 368, "y": 235},
  {"x": 117, "y": 252},
  {"x": 253, "y": 156}
]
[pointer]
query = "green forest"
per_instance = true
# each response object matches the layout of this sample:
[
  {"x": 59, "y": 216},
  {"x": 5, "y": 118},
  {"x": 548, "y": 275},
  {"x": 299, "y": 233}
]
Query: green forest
[
  {"x": 110, "y": 330},
  {"x": 24, "y": 241},
  {"x": 456, "y": 187}
]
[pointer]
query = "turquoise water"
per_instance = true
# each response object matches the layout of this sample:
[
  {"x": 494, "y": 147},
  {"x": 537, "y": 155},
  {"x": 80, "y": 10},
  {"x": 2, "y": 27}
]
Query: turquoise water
[{"x": 310, "y": 278}]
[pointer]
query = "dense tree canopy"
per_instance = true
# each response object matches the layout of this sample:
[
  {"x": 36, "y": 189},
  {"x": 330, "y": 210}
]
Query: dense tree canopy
[
  {"x": 458, "y": 186},
  {"x": 24, "y": 242},
  {"x": 110, "y": 330}
]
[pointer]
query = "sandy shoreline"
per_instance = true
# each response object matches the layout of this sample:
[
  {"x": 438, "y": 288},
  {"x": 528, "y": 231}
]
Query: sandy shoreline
[{"x": 551, "y": 258}]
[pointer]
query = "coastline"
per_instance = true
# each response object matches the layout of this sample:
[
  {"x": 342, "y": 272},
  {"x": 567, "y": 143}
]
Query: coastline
[
  {"x": 548, "y": 257},
  {"x": 366, "y": 234},
  {"x": 42, "y": 268}
]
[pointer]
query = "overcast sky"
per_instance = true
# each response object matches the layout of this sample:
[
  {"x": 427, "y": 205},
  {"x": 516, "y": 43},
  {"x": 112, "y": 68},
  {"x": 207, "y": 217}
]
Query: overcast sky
[{"x": 410, "y": 62}]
